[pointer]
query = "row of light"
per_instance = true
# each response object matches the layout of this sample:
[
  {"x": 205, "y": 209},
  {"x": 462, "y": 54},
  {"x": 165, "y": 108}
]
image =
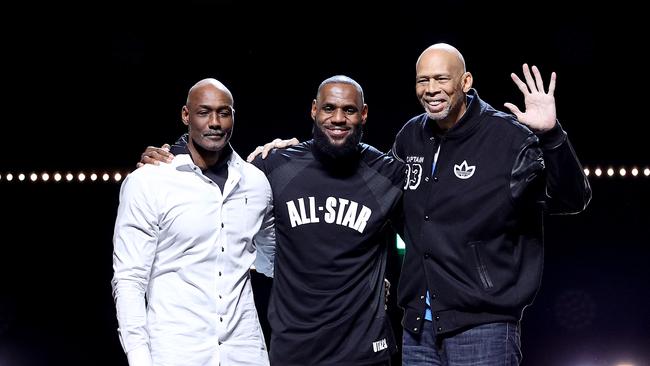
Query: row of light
[
  {"x": 620, "y": 172},
  {"x": 117, "y": 176},
  {"x": 58, "y": 177}
]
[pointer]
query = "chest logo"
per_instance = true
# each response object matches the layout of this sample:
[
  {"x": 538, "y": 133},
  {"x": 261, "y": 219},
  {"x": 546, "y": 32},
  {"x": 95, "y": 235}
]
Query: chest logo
[
  {"x": 339, "y": 211},
  {"x": 464, "y": 171}
]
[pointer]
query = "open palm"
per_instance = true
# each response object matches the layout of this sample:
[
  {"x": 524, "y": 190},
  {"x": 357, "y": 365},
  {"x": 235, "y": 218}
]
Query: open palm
[{"x": 539, "y": 113}]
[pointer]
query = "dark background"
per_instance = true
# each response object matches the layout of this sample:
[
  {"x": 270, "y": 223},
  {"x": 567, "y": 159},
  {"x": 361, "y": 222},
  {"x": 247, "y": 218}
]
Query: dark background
[{"x": 87, "y": 88}]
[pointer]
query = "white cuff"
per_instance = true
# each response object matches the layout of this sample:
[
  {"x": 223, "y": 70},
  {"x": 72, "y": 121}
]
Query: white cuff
[{"x": 139, "y": 356}]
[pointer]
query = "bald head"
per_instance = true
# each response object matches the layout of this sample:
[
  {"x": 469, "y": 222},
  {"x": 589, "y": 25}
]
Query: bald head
[
  {"x": 445, "y": 52},
  {"x": 207, "y": 84},
  {"x": 442, "y": 83}
]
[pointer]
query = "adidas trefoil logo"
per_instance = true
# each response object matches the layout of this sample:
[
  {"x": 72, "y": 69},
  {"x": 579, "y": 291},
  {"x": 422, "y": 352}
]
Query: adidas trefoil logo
[{"x": 464, "y": 171}]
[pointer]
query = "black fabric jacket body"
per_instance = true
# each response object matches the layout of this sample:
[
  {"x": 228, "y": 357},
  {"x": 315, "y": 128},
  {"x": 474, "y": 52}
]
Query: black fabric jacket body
[{"x": 474, "y": 226}]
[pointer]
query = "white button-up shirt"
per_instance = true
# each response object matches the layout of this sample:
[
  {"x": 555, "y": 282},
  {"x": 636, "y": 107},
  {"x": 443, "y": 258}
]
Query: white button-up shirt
[{"x": 188, "y": 248}]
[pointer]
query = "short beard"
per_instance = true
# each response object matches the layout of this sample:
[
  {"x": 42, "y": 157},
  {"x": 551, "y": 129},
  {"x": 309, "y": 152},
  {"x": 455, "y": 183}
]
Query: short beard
[
  {"x": 438, "y": 116},
  {"x": 349, "y": 148}
]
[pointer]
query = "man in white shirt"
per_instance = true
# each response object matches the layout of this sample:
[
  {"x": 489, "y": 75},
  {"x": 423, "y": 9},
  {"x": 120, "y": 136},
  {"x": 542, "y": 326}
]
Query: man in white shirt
[{"x": 185, "y": 237}]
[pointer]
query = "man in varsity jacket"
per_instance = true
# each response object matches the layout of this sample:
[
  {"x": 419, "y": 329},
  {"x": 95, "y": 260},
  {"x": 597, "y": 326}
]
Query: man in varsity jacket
[
  {"x": 333, "y": 196},
  {"x": 478, "y": 185}
]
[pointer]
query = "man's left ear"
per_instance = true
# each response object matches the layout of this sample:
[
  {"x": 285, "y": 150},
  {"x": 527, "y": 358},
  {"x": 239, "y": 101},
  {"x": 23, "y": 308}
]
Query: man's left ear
[
  {"x": 364, "y": 114},
  {"x": 468, "y": 79}
]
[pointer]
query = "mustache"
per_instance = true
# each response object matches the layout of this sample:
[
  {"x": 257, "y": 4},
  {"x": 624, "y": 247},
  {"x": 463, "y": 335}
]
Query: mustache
[{"x": 214, "y": 132}]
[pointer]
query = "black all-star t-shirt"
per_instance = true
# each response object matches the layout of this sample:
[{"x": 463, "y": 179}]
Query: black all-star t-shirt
[{"x": 327, "y": 300}]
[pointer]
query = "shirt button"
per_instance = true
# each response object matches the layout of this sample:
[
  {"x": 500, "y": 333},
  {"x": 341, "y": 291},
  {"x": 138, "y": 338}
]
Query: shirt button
[
  {"x": 415, "y": 329},
  {"x": 437, "y": 317},
  {"x": 219, "y": 296},
  {"x": 426, "y": 217},
  {"x": 435, "y": 179},
  {"x": 220, "y": 319},
  {"x": 426, "y": 255},
  {"x": 222, "y": 249},
  {"x": 426, "y": 179},
  {"x": 439, "y": 329},
  {"x": 422, "y": 297},
  {"x": 219, "y": 273},
  {"x": 222, "y": 224},
  {"x": 418, "y": 318},
  {"x": 433, "y": 296},
  {"x": 432, "y": 138}
]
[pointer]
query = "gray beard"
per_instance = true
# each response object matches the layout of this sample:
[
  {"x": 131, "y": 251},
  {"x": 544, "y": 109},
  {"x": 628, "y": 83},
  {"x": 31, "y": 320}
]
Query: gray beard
[{"x": 438, "y": 116}]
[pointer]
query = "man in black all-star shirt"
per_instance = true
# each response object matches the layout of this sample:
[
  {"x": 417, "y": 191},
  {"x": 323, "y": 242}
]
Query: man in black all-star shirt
[{"x": 333, "y": 195}]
